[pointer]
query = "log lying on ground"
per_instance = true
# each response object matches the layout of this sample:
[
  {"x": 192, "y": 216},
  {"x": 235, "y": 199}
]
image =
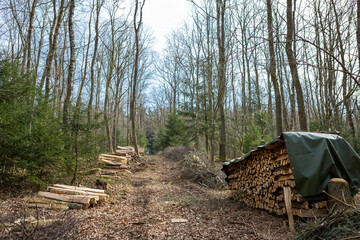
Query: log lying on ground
[
  {"x": 102, "y": 196},
  {"x": 80, "y": 188},
  {"x": 259, "y": 180},
  {"x": 130, "y": 150},
  {"x": 68, "y": 198},
  {"x": 62, "y": 197},
  {"x": 39, "y": 202},
  {"x": 112, "y": 163}
]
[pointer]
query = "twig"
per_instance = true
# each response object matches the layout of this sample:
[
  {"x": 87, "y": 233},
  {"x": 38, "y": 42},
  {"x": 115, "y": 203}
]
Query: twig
[{"x": 339, "y": 200}]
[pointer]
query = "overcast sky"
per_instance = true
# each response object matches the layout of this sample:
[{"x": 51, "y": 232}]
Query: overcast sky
[{"x": 162, "y": 16}]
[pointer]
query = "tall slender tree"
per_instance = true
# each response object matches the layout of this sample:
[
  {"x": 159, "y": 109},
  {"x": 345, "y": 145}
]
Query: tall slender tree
[
  {"x": 137, "y": 27},
  {"x": 273, "y": 67},
  {"x": 293, "y": 66}
]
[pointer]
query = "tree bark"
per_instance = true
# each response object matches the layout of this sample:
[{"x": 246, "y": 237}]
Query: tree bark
[
  {"x": 71, "y": 71},
  {"x": 273, "y": 69},
  {"x": 220, "y": 12},
  {"x": 293, "y": 68},
  {"x": 137, "y": 27},
  {"x": 92, "y": 70},
  {"x": 52, "y": 48}
]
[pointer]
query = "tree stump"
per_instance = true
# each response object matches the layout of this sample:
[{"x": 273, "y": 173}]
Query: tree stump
[{"x": 339, "y": 191}]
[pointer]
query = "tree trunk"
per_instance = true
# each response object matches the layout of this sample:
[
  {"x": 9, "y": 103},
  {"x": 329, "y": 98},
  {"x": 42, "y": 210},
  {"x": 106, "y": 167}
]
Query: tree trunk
[
  {"x": 52, "y": 48},
  {"x": 292, "y": 63},
  {"x": 137, "y": 27},
  {"x": 71, "y": 71},
  {"x": 27, "y": 48},
  {"x": 273, "y": 69},
  {"x": 220, "y": 10},
  {"x": 92, "y": 70}
]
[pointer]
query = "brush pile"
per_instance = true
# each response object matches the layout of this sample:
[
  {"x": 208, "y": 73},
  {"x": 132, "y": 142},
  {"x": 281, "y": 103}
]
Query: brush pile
[
  {"x": 196, "y": 166},
  {"x": 63, "y": 197}
]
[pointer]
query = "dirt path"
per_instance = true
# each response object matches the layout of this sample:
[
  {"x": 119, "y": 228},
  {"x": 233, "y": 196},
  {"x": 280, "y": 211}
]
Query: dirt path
[
  {"x": 146, "y": 204},
  {"x": 155, "y": 203}
]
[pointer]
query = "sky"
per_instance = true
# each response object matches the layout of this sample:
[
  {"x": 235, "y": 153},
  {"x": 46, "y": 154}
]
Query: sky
[{"x": 163, "y": 16}]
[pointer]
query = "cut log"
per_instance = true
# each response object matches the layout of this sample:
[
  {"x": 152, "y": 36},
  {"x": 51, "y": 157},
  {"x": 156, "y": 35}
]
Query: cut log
[
  {"x": 124, "y": 148},
  {"x": 101, "y": 196},
  {"x": 80, "y": 188},
  {"x": 44, "y": 203},
  {"x": 115, "y": 167},
  {"x": 310, "y": 213},
  {"x": 66, "y": 198},
  {"x": 110, "y": 162},
  {"x": 339, "y": 191},
  {"x": 113, "y": 156},
  {"x": 55, "y": 206}
]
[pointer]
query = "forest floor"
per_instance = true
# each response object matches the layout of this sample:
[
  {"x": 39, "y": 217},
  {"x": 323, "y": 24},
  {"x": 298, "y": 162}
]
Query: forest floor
[{"x": 154, "y": 202}]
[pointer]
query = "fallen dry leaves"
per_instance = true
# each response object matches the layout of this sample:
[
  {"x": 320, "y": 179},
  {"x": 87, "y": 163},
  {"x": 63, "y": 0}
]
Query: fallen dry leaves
[{"x": 155, "y": 203}]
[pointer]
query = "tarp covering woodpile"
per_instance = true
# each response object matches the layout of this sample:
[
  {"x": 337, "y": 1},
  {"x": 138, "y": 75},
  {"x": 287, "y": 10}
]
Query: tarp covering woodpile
[{"x": 301, "y": 160}]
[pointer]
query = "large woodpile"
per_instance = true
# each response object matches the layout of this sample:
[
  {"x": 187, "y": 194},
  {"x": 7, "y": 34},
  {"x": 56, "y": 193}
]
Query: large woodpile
[
  {"x": 111, "y": 164},
  {"x": 260, "y": 179},
  {"x": 62, "y": 197}
]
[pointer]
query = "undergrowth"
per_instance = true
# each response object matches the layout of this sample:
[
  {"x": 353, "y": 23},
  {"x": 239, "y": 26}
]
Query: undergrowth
[{"x": 338, "y": 225}]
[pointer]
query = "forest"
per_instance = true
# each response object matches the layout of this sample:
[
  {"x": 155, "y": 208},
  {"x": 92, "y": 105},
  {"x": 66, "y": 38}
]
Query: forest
[{"x": 78, "y": 78}]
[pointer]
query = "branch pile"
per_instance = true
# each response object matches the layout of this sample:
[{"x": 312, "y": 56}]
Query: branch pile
[
  {"x": 177, "y": 153},
  {"x": 63, "y": 197},
  {"x": 259, "y": 181},
  {"x": 196, "y": 167}
]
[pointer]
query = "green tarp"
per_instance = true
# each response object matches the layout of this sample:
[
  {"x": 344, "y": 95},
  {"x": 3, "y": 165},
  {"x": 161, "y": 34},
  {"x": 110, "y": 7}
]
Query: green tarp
[{"x": 315, "y": 158}]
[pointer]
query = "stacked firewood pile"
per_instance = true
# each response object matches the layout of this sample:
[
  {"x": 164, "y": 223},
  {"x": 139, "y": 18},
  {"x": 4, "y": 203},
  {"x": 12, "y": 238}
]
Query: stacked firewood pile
[
  {"x": 261, "y": 179},
  {"x": 119, "y": 161},
  {"x": 123, "y": 151},
  {"x": 62, "y": 197}
]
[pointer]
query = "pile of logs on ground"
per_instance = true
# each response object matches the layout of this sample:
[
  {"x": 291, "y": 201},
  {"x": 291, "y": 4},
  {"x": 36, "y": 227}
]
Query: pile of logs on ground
[
  {"x": 264, "y": 180},
  {"x": 129, "y": 151},
  {"x": 62, "y": 197},
  {"x": 111, "y": 164}
]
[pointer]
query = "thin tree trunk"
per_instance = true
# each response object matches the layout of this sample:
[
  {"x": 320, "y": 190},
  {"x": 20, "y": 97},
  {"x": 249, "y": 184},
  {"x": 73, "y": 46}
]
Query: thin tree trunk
[
  {"x": 52, "y": 48},
  {"x": 273, "y": 69},
  {"x": 220, "y": 9},
  {"x": 92, "y": 70},
  {"x": 71, "y": 71},
  {"x": 27, "y": 48},
  {"x": 137, "y": 27}
]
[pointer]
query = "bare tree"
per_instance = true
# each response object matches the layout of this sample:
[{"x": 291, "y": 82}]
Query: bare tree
[
  {"x": 292, "y": 63},
  {"x": 220, "y": 20},
  {"x": 71, "y": 71},
  {"x": 273, "y": 68}
]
